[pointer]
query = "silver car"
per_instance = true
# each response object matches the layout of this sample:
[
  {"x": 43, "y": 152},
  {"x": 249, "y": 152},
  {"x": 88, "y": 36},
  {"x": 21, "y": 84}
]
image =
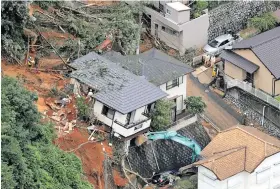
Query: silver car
[{"x": 216, "y": 46}]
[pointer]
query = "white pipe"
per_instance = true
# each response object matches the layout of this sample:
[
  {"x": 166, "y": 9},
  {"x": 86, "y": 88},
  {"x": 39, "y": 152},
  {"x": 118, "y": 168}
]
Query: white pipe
[{"x": 263, "y": 114}]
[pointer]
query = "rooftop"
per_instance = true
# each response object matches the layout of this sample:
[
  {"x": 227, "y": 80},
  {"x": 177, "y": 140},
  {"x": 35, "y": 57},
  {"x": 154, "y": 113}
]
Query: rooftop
[
  {"x": 239, "y": 61},
  {"x": 156, "y": 66},
  {"x": 248, "y": 145},
  {"x": 178, "y": 6},
  {"x": 266, "y": 47},
  {"x": 117, "y": 87}
]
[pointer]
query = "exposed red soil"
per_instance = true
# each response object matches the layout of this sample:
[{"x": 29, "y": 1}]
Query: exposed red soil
[
  {"x": 101, "y": 3},
  {"x": 91, "y": 154},
  {"x": 119, "y": 181},
  {"x": 41, "y": 82},
  {"x": 146, "y": 44},
  {"x": 34, "y": 8}
]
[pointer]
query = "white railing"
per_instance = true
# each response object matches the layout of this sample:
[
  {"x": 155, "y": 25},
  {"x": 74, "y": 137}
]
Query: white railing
[{"x": 248, "y": 88}]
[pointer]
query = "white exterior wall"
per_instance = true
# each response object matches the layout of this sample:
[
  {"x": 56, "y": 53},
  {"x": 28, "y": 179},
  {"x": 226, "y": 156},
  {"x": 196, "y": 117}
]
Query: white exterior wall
[
  {"x": 178, "y": 17},
  {"x": 195, "y": 33},
  {"x": 175, "y": 91},
  {"x": 192, "y": 34},
  {"x": 269, "y": 179},
  {"x": 136, "y": 116}
]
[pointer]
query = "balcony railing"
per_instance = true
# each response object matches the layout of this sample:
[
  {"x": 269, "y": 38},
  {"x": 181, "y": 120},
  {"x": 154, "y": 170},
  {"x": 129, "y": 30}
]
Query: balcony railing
[
  {"x": 130, "y": 125},
  {"x": 248, "y": 88}
]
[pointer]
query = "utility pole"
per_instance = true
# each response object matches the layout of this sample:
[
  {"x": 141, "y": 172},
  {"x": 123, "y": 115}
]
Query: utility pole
[{"x": 140, "y": 27}]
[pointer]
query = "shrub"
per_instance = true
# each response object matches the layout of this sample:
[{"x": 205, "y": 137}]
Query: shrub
[
  {"x": 83, "y": 108},
  {"x": 161, "y": 115},
  {"x": 263, "y": 23},
  {"x": 195, "y": 104}
]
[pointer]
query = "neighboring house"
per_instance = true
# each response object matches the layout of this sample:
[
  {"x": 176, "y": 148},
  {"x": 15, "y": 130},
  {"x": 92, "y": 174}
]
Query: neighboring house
[
  {"x": 164, "y": 71},
  {"x": 171, "y": 23},
  {"x": 257, "y": 61},
  {"x": 241, "y": 157},
  {"x": 120, "y": 98}
]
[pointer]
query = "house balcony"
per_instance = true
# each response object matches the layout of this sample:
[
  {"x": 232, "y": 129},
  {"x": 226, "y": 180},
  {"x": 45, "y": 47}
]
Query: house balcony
[{"x": 127, "y": 130}]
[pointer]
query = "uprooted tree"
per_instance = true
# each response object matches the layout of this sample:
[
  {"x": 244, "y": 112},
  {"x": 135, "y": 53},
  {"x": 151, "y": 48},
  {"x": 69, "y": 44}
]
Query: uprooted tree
[
  {"x": 29, "y": 159},
  {"x": 90, "y": 26}
]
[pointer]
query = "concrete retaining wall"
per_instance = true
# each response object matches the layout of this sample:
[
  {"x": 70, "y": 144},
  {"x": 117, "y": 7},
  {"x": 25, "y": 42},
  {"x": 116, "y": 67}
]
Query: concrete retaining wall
[
  {"x": 235, "y": 15},
  {"x": 166, "y": 153},
  {"x": 252, "y": 107}
]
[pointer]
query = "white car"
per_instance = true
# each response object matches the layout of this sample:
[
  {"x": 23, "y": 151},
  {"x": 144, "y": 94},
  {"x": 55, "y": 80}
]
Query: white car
[{"x": 216, "y": 46}]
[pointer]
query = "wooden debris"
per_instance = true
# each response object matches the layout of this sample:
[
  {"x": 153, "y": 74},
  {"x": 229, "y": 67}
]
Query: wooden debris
[
  {"x": 56, "y": 118},
  {"x": 53, "y": 106}
]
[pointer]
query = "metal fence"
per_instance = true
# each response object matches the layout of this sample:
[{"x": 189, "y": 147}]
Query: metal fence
[{"x": 258, "y": 93}]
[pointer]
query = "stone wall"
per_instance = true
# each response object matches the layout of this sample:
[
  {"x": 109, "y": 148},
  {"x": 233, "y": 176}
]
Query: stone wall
[
  {"x": 235, "y": 15},
  {"x": 169, "y": 155},
  {"x": 252, "y": 108}
]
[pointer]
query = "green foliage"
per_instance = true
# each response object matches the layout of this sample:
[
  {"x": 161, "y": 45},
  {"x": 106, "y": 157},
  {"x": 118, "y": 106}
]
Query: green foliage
[
  {"x": 190, "y": 183},
  {"x": 83, "y": 108},
  {"x": 46, "y": 4},
  {"x": 14, "y": 15},
  {"x": 277, "y": 98},
  {"x": 198, "y": 7},
  {"x": 263, "y": 23},
  {"x": 29, "y": 159},
  {"x": 161, "y": 116},
  {"x": 195, "y": 104}
]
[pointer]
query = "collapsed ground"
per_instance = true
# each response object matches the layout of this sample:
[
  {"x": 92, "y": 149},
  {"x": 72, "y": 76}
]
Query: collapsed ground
[{"x": 48, "y": 82}]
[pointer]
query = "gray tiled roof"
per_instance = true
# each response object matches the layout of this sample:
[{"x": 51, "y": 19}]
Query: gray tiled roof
[
  {"x": 239, "y": 61},
  {"x": 117, "y": 87},
  {"x": 266, "y": 46},
  {"x": 158, "y": 68}
]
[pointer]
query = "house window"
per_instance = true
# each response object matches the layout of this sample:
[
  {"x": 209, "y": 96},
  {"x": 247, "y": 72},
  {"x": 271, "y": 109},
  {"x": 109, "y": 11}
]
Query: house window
[
  {"x": 249, "y": 77},
  {"x": 172, "y": 84},
  {"x": 108, "y": 112},
  {"x": 168, "y": 11},
  {"x": 160, "y": 7},
  {"x": 148, "y": 108},
  {"x": 180, "y": 80},
  {"x": 170, "y": 31},
  {"x": 128, "y": 116}
]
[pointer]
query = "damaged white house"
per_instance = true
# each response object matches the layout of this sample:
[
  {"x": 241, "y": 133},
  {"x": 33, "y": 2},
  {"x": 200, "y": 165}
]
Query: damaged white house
[
  {"x": 121, "y": 99},
  {"x": 160, "y": 69}
]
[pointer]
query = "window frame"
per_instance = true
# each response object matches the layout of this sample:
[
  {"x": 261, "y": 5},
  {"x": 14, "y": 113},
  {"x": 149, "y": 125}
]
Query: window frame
[
  {"x": 108, "y": 109},
  {"x": 180, "y": 82},
  {"x": 174, "y": 84},
  {"x": 163, "y": 28},
  {"x": 128, "y": 118},
  {"x": 168, "y": 11}
]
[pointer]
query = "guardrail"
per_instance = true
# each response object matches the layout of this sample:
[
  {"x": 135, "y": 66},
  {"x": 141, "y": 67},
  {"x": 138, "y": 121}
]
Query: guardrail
[{"x": 248, "y": 88}]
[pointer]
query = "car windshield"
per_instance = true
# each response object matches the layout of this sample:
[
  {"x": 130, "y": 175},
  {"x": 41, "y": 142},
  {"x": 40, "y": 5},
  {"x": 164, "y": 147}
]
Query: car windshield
[{"x": 213, "y": 43}]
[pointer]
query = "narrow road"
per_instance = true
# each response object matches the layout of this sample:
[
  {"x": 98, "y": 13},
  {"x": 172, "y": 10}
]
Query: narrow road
[{"x": 219, "y": 112}]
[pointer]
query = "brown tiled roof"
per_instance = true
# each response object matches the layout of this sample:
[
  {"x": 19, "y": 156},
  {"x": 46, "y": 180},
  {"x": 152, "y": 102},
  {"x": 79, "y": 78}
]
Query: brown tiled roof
[{"x": 241, "y": 148}]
